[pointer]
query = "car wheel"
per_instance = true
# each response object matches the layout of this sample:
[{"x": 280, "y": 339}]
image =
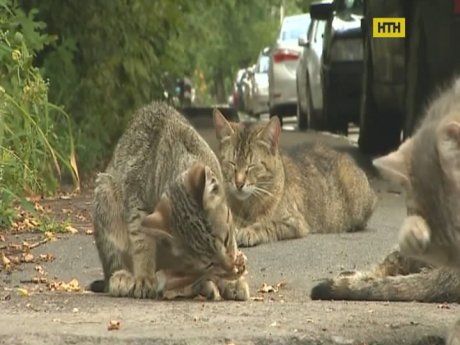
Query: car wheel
[
  {"x": 379, "y": 133},
  {"x": 275, "y": 111},
  {"x": 314, "y": 117},
  {"x": 302, "y": 118},
  {"x": 332, "y": 120}
]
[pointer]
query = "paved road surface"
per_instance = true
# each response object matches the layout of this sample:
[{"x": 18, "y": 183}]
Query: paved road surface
[{"x": 285, "y": 317}]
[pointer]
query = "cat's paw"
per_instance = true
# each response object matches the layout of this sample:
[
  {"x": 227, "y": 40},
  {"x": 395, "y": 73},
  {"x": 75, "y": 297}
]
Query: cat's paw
[
  {"x": 414, "y": 236},
  {"x": 145, "y": 287},
  {"x": 207, "y": 289},
  {"x": 235, "y": 290},
  {"x": 121, "y": 284},
  {"x": 247, "y": 237}
]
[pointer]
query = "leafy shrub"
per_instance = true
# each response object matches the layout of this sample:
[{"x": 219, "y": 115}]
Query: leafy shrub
[{"x": 36, "y": 144}]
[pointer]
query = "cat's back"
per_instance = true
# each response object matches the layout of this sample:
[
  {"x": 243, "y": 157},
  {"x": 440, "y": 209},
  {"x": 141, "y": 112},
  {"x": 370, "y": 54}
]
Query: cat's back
[
  {"x": 347, "y": 199},
  {"x": 157, "y": 131}
]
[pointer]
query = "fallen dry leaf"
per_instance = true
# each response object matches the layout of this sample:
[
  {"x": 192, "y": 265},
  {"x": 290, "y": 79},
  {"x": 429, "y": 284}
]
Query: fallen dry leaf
[
  {"x": 2, "y": 238},
  {"x": 27, "y": 257},
  {"x": 39, "y": 280},
  {"x": 49, "y": 235},
  {"x": 39, "y": 208},
  {"x": 71, "y": 229},
  {"x": 5, "y": 261},
  {"x": 47, "y": 257},
  {"x": 71, "y": 286},
  {"x": 39, "y": 269},
  {"x": 89, "y": 231},
  {"x": 265, "y": 288},
  {"x": 257, "y": 298},
  {"x": 114, "y": 325},
  {"x": 443, "y": 306},
  {"x": 23, "y": 292}
]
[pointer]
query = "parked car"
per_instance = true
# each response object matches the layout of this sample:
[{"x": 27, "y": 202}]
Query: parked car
[
  {"x": 342, "y": 63},
  {"x": 238, "y": 100},
  {"x": 308, "y": 75},
  {"x": 284, "y": 56},
  {"x": 259, "y": 83},
  {"x": 246, "y": 84},
  {"x": 401, "y": 74}
]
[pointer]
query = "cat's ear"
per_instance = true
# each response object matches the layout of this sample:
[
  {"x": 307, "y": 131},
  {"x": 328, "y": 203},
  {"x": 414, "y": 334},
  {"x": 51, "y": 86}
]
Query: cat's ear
[
  {"x": 157, "y": 224},
  {"x": 195, "y": 181},
  {"x": 221, "y": 125},
  {"x": 270, "y": 134},
  {"x": 448, "y": 142},
  {"x": 395, "y": 165},
  {"x": 202, "y": 183}
]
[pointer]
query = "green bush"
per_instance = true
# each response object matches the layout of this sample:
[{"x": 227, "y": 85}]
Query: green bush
[{"x": 36, "y": 144}]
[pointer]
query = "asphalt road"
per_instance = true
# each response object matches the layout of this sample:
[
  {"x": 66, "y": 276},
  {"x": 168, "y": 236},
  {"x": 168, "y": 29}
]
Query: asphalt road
[{"x": 285, "y": 317}]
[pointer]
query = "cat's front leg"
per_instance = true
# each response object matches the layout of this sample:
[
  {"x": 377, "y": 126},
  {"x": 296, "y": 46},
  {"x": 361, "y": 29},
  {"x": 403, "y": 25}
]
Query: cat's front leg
[
  {"x": 415, "y": 240},
  {"x": 272, "y": 230},
  {"x": 235, "y": 290},
  {"x": 414, "y": 236},
  {"x": 144, "y": 263},
  {"x": 251, "y": 236}
]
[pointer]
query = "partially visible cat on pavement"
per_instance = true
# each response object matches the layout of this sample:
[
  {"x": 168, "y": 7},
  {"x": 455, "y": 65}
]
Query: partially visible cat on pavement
[
  {"x": 428, "y": 167},
  {"x": 273, "y": 197},
  {"x": 160, "y": 214}
]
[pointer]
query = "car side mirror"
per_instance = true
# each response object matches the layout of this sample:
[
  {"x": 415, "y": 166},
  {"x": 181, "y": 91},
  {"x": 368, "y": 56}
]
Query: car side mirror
[
  {"x": 321, "y": 10},
  {"x": 303, "y": 42}
]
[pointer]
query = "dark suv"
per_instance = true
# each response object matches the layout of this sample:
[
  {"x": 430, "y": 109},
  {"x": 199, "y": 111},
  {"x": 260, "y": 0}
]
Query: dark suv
[
  {"x": 342, "y": 63},
  {"x": 402, "y": 74}
]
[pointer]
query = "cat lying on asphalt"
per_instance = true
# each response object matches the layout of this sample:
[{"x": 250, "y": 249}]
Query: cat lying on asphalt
[
  {"x": 274, "y": 197},
  {"x": 428, "y": 166},
  {"x": 160, "y": 214}
]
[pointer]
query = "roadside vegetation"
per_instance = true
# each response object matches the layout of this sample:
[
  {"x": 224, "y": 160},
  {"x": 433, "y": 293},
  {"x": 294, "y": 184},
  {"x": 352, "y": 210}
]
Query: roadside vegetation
[{"x": 71, "y": 73}]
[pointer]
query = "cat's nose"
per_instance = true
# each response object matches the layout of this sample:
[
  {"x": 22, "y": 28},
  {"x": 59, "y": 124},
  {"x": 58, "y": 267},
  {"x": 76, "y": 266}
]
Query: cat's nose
[{"x": 239, "y": 181}]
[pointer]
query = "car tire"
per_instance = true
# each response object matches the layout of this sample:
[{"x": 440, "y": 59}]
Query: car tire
[
  {"x": 314, "y": 116},
  {"x": 302, "y": 118},
  {"x": 276, "y": 112},
  {"x": 332, "y": 121},
  {"x": 379, "y": 133}
]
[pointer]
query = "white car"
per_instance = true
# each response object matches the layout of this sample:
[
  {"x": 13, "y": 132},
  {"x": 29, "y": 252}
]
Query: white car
[
  {"x": 309, "y": 87},
  {"x": 259, "y": 77},
  {"x": 284, "y": 57}
]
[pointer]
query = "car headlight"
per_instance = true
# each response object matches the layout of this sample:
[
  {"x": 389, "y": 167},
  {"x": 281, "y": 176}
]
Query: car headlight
[{"x": 347, "y": 50}]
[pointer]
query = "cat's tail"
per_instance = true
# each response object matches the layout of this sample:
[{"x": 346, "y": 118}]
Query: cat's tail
[
  {"x": 109, "y": 228},
  {"x": 429, "y": 285}
]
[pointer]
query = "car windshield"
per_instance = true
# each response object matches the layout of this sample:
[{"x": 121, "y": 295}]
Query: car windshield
[
  {"x": 262, "y": 65},
  {"x": 292, "y": 30}
]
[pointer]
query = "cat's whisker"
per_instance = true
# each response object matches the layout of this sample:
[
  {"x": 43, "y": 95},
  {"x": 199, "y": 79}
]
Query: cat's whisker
[{"x": 263, "y": 191}]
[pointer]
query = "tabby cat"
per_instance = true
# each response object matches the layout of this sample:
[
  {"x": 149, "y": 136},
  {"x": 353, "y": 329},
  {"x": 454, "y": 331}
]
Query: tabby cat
[
  {"x": 160, "y": 214},
  {"x": 428, "y": 167},
  {"x": 274, "y": 197}
]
